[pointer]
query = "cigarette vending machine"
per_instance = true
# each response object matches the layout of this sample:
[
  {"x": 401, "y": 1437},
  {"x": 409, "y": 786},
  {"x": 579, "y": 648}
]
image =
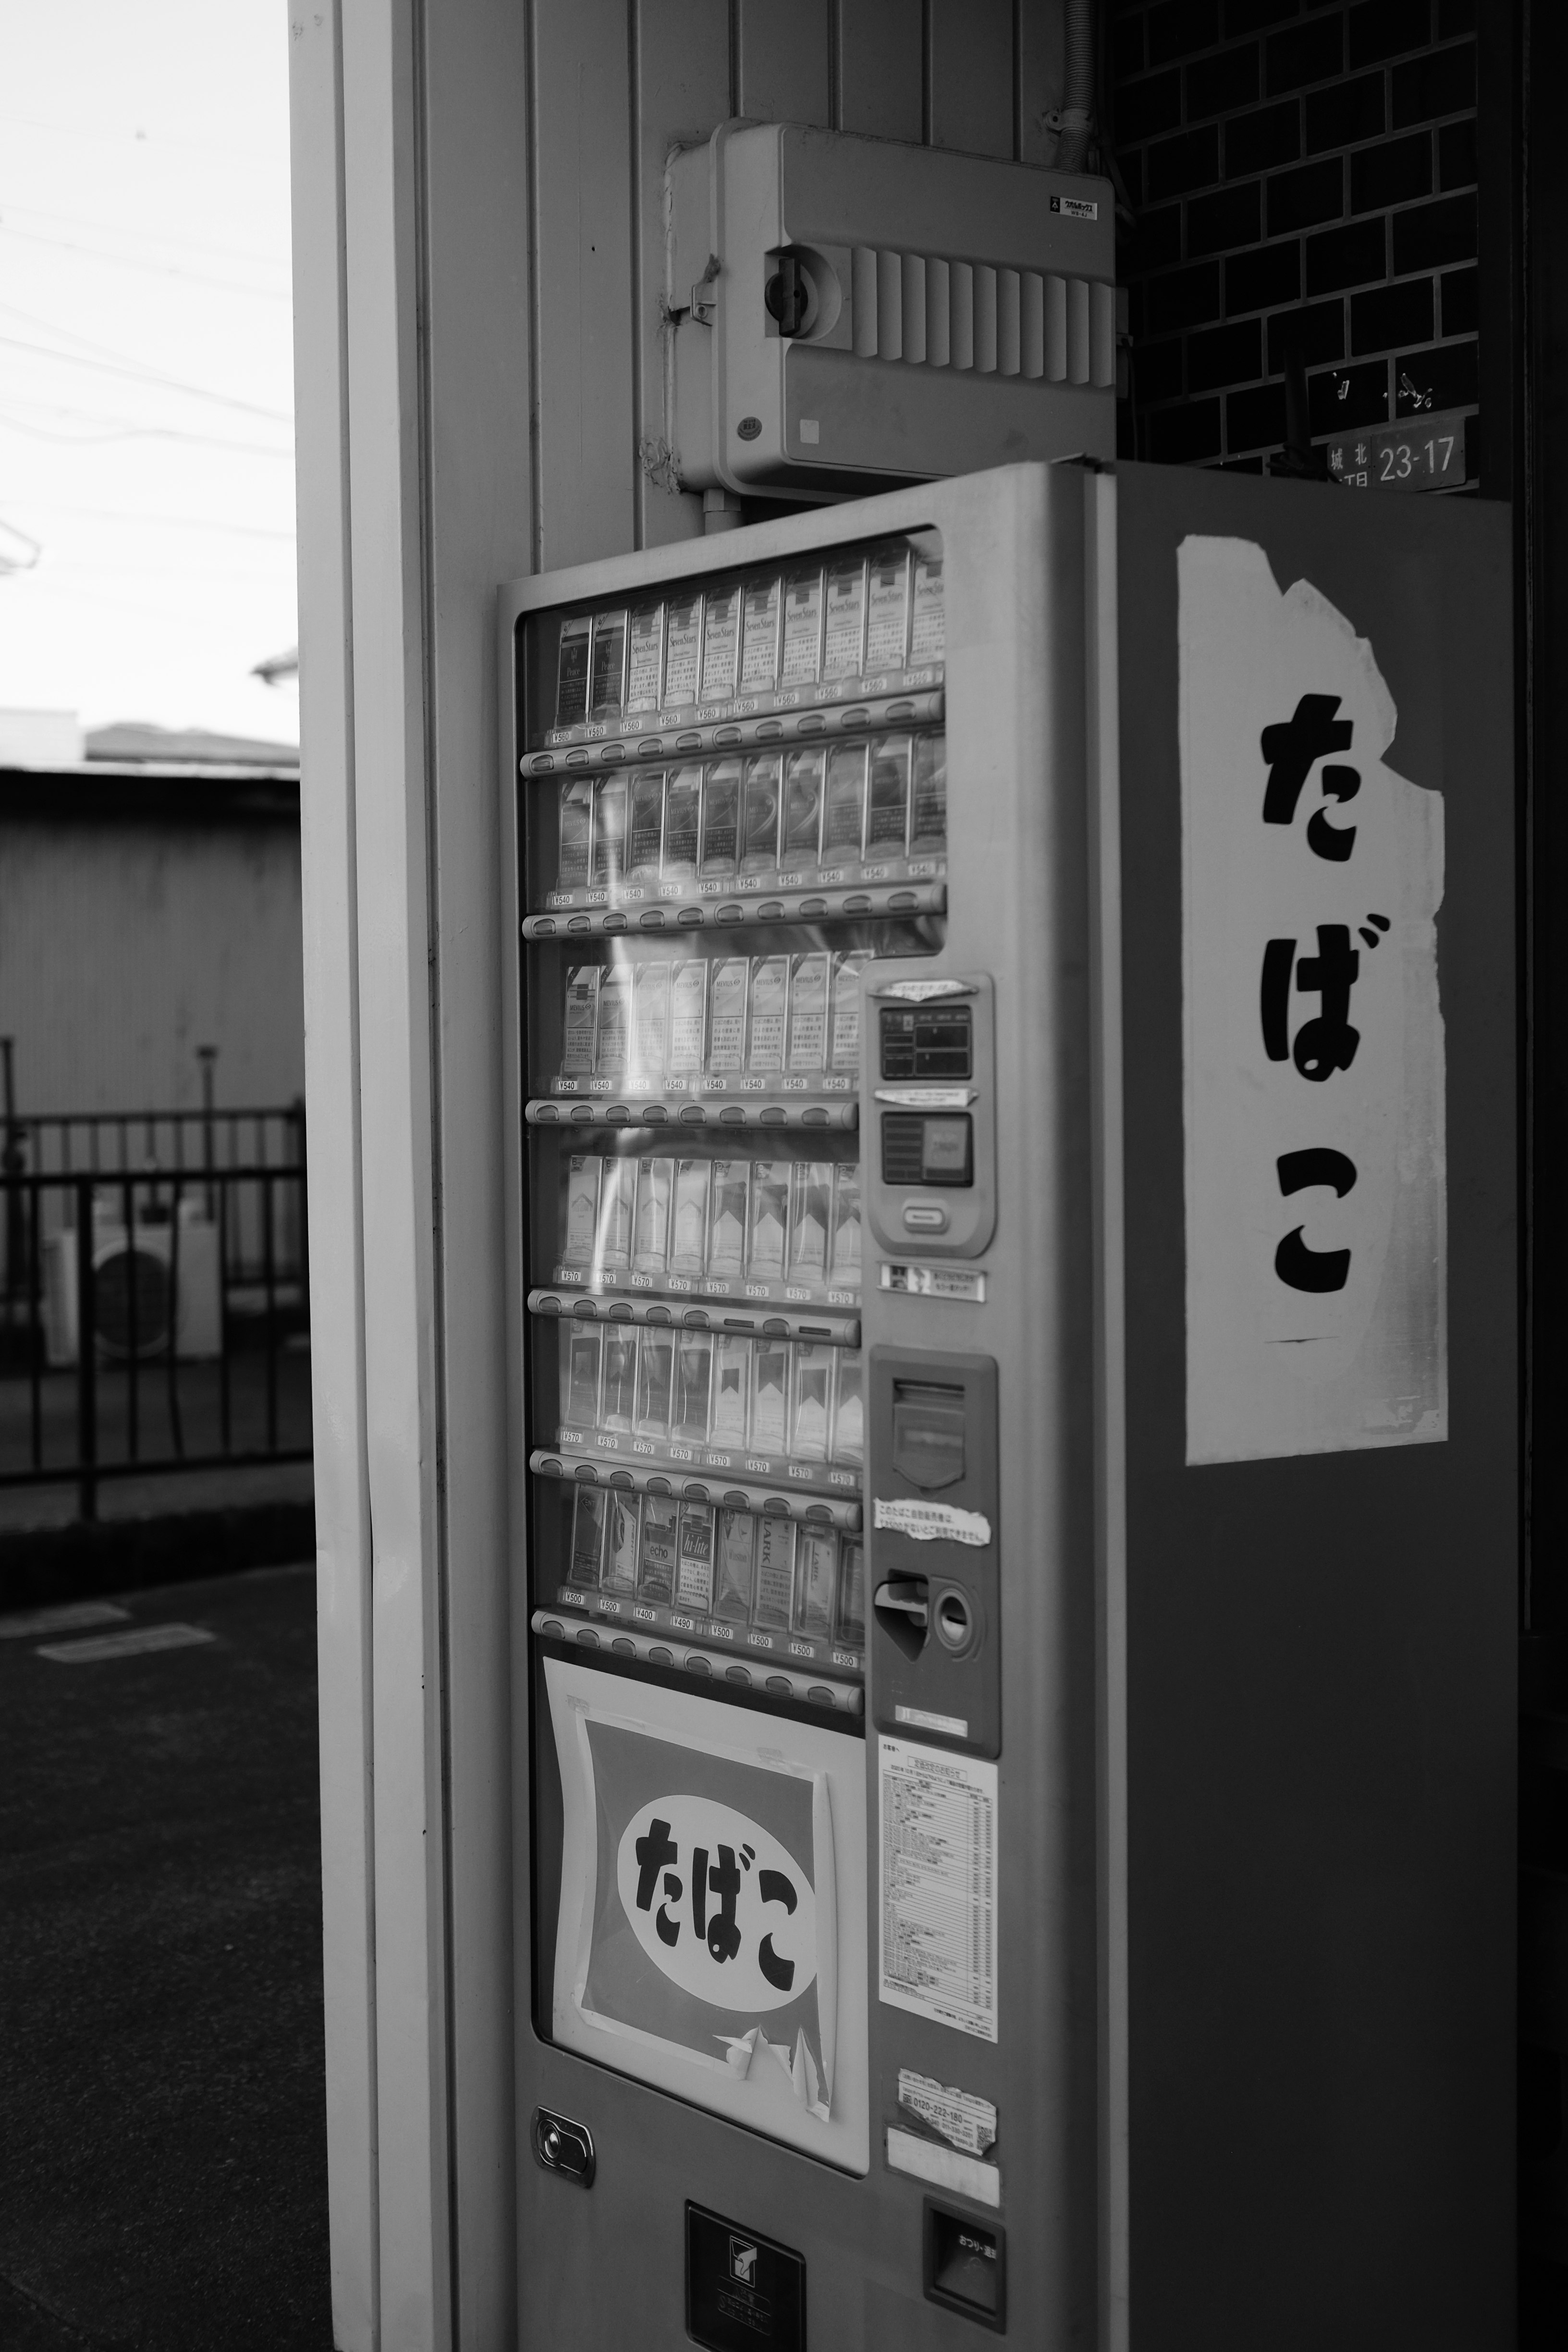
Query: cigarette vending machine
[{"x": 1012, "y": 1284}]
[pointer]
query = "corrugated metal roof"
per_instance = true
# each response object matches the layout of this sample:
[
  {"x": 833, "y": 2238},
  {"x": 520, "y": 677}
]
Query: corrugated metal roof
[{"x": 132, "y": 741}]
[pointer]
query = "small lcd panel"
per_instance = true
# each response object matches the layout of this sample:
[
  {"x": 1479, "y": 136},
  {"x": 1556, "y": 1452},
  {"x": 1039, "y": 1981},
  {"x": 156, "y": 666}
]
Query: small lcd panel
[
  {"x": 927, "y": 1041},
  {"x": 928, "y": 1147}
]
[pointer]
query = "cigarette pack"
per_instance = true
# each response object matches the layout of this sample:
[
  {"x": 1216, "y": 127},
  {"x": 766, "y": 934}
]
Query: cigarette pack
[
  {"x": 727, "y": 1231},
  {"x": 651, "y": 1229},
  {"x": 644, "y": 824},
  {"x": 582, "y": 1358},
  {"x": 775, "y": 1603},
  {"x": 849, "y": 1444},
  {"x": 721, "y": 642},
  {"x": 815, "y": 1581},
  {"x": 574, "y": 862},
  {"x": 587, "y": 1540},
  {"x": 801, "y": 660},
  {"x": 682, "y": 644},
  {"x": 581, "y": 1209},
  {"x": 770, "y": 1220},
  {"x": 650, "y": 1019},
  {"x": 608, "y": 690},
  {"x": 808, "y": 1012},
  {"x": 688, "y": 1017},
  {"x": 655, "y": 1368},
  {"x": 810, "y": 1212},
  {"x": 689, "y": 1248},
  {"x": 618, "y": 1403},
  {"x": 727, "y": 1014},
  {"x": 927, "y": 636},
  {"x": 887, "y": 606},
  {"x": 846, "y": 1263},
  {"x": 610, "y": 831},
  {"x": 846, "y": 972},
  {"x": 734, "y": 1562},
  {"x": 614, "y": 1252},
  {"x": 851, "y": 1626},
  {"x": 770, "y": 1395},
  {"x": 802, "y": 843},
  {"x": 655, "y": 1570},
  {"x": 844, "y": 805},
  {"x": 694, "y": 1567},
  {"x": 760, "y": 640},
  {"x": 645, "y": 657},
  {"x": 732, "y": 1389},
  {"x": 580, "y": 1019},
  {"x": 572, "y": 671},
  {"x": 693, "y": 1380},
  {"x": 682, "y": 819},
  {"x": 770, "y": 1005},
  {"x": 844, "y": 632},
  {"x": 887, "y": 809},
  {"x": 721, "y": 816},
  {"x": 760, "y": 813},
  {"x": 624, "y": 1535},
  {"x": 615, "y": 1020},
  {"x": 928, "y": 799},
  {"x": 812, "y": 1400}
]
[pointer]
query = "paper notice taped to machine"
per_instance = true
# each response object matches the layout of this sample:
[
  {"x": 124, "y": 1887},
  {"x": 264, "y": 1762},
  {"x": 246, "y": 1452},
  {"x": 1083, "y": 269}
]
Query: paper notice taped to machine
[{"x": 927, "y": 1522}]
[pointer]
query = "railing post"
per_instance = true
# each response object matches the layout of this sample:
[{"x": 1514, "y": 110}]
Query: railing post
[
  {"x": 86, "y": 1354},
  {"x": 303, "y": 1209}
]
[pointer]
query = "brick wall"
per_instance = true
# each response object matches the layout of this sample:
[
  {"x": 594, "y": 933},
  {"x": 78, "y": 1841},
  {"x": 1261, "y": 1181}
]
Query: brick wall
[{"x": 1298, "y": 171}]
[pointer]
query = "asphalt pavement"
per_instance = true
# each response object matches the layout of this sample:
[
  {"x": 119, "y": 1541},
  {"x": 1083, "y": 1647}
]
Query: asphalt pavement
[{"x": 163, "y": 2140}]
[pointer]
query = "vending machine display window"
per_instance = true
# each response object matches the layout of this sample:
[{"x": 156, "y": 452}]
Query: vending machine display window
[{"x": 732, "y": 808}]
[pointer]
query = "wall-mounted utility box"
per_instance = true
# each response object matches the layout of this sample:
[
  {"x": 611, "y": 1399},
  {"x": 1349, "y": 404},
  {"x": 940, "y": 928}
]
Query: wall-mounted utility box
[{"x": 849, "y": 314}]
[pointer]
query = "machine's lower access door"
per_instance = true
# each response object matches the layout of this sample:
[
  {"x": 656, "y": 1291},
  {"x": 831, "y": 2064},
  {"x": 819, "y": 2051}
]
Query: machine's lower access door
[{"x": 713, "y": 1937}]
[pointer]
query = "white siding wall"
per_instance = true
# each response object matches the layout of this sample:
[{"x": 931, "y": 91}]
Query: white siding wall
[
  {"x": 125, "y": 945},
  {"x": 619, "y": 83}
]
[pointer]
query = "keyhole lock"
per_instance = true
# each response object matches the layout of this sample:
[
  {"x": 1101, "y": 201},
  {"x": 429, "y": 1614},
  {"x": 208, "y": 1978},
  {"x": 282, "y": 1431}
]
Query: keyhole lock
[
  {"x": 788, "y": 296},
  {"x": 563, "y": 2147}
]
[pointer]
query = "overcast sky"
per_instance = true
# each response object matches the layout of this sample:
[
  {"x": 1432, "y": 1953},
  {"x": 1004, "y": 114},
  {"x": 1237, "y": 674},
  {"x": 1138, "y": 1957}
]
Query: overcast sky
[{"x": 146, "y": 388}]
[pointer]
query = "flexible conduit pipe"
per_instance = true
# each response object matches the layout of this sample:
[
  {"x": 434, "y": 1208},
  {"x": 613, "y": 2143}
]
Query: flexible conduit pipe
[{"x": 1077, "y": 92}]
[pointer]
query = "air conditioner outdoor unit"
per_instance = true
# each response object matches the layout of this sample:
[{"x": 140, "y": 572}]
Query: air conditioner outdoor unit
[
  {"x": 851, "y": 314},
  {"x": 179, "y": 1295}
]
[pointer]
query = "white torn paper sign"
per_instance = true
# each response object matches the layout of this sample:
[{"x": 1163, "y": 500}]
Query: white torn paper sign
[{"x": 1313, "y": 1058}]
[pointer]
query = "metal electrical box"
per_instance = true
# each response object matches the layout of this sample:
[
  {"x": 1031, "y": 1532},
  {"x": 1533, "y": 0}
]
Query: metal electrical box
[
  {"x": 1011, "y": 1285},
  {"x": 852, "y": 313}
]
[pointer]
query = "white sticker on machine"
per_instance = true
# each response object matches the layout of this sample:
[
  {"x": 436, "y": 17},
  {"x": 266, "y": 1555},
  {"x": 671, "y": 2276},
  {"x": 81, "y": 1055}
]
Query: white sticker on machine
[
  {"x": 962, "y": 2118},
  {"x": 938, "y": 1885},
  {"x": 927, "y": 1522}
]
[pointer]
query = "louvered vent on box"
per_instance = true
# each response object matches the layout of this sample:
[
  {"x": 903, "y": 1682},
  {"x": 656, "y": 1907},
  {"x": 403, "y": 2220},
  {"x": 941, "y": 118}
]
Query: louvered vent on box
[{"x": 851, "y": 313}]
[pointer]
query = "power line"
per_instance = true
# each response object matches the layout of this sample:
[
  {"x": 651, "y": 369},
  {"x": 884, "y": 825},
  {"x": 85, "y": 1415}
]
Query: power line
[
  {"x": 154, "y": 268},
  {"x": 125, "y": 431},
  {"x": 153, "y": 236},
  {"x": 145, "y": 375},
  {"x": 88, "y": 343},
  {"x": 149, "y": 522},
  {"x": 141, "y": 139}
]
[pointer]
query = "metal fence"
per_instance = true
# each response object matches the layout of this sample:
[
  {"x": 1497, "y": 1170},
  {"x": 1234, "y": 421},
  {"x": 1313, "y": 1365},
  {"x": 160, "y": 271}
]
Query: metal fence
[{"x": 153, "y": 1320}]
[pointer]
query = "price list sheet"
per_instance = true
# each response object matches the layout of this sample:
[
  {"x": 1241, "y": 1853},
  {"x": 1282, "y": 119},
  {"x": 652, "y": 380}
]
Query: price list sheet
[{"x": 939, "y": 1886}]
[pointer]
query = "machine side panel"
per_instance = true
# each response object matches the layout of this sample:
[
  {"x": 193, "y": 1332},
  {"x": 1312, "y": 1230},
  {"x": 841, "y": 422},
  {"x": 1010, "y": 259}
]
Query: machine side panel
[{"x": 1320, "y": 1648}]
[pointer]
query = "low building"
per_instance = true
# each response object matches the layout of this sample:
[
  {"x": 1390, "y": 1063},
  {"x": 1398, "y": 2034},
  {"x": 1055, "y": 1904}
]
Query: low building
[{"x": 152, "y": 908}]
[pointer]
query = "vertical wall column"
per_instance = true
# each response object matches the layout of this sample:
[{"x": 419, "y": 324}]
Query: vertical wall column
[{"x": 412, "y": 242}]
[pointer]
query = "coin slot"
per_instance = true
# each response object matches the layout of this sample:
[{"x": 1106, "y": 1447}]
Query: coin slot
[{"x": 955, "y": 1622}]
